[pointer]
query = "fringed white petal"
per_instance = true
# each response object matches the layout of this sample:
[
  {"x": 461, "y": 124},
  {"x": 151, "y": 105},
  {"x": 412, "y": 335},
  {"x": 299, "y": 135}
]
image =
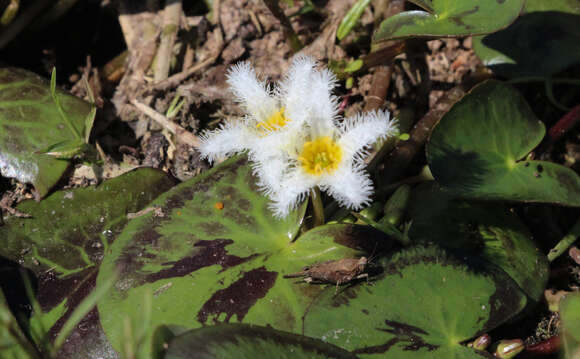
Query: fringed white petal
[
  {"x": 231, "y": 138},
  {"x": 269, "y": 170},
  {"x": 293, "y": 189},
  {"x": 271, "y": 158},
  {"x": 295, "y": 89},
  {"x": 350, "y": 185},
  {"x": 361, "y": 131},
  {"x": 251, "y": 93},
  {"x": 323, "y": 106}
]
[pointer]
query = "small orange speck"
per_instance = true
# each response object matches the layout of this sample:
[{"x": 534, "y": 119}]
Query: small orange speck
[
  {"x": 219, "y": 206},
  {"x": 179, "y": 213}
]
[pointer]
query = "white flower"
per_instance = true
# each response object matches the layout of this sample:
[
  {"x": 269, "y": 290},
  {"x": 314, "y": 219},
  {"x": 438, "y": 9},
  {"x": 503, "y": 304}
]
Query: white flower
[
  {"x": 331, "y": 156},
  {"x": 271, "y": 115},
  {"x": 294, "y": 138}
]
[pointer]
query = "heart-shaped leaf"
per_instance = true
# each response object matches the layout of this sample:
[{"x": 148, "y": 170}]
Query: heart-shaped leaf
[
  {"x": 249, "y": 341},
  {"x": 489, "y": 231},
  {"x": 64, "y": 242},
  {"x": 543, "y": 41},
  {"x": 424, "y": 305},
  {"x": 475, "y": 151},
  {"x": 449, "y": 18},
  {"x": 30, "y": 122},
  {"x": 218, "y": 256}
]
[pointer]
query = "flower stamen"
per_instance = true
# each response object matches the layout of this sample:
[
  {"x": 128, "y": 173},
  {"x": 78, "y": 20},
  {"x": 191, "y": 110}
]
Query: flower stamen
[
  {"x": 273, "y": 123},
  {"x": 321, "y": 155}
]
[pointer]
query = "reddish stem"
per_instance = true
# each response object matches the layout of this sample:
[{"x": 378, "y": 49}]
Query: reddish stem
[{"x": 565, "y": 124}]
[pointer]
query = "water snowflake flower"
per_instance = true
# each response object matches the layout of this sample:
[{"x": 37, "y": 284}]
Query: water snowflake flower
[
  {"x": 330, "y": 155},
  {"x": 272, "y": 113},
  {"x": 295, "y": 139}
]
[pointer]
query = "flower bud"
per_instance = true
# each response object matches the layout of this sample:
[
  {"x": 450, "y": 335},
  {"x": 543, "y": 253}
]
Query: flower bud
[
  {"x": 481, "y": 342},
  {"x": 507, "y": 349}
]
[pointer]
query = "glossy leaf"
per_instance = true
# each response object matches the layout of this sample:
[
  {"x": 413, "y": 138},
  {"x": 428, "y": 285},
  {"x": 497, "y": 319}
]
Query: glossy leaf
[
  {"x": 489, "y": 231},
  {"x": 570, "y": 314},
  {"x": 209, "y": 264},
  {"x": 543, "y": 41},
  {"x": 424, "y": 305},
  {"x": 249, "y": 341},
  {"x": 351, "y": 18},
  {"x": 30, "y": 122},
  {"x": 65, "y": 240},
  {"x": 476, "y": 151},
  {"x": 450, "y": 18}
]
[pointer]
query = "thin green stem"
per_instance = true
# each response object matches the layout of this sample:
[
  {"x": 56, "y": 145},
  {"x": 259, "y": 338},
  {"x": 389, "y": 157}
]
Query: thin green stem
[
  {"x": 565, "y": 242},
  {"x": 317, "y": 206}
]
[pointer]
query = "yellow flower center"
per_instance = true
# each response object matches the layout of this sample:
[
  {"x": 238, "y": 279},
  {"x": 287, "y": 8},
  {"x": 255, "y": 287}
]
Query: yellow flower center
[
  {"x": 273, "y": 123},
  {"x": 320, "y": 155}
]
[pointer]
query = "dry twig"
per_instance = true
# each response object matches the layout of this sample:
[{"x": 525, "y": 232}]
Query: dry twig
[
  {"x": 182, "y": 135},
  {"x": 182, "y": 76},
  {"x": 171, "y": 17}
]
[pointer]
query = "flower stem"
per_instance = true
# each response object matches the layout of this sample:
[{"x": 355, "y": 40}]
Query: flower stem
[{"x": 317, "y": 206}]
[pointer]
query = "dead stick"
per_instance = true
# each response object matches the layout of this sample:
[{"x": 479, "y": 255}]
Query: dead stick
[
  {"x": 382, "y": 75},
  {"x": 182, "y": 76},
  {"x": 182, "y": 135},
  {"x": 171, "y": 17},
  {"x": 379, "y": 88}
]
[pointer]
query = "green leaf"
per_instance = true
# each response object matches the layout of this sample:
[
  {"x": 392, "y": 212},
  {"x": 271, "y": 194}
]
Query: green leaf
[
  {"x": 568, "y": 6},
  {"x": 66, "y": 239},
  {"x": 475, "y": 151},
  {"x": 30, "y": 121},
  {"x": 13, "y": 343},
  {"x": 351, "y": 18},
  {"x": 570, "y": 314},
  {"x": 90, "y": 118},
  {"x": 542, "y": 42},
  {"x": 207, "y": 266},
  {"x": 424, "y": 305},
  {"x": 343, "y": 68},
  {"x": 488, "y": 231},
  {"x": 249, "y": 341},
  {"x": 450, "y": 18},
  {"x": 64, "y": 150}
]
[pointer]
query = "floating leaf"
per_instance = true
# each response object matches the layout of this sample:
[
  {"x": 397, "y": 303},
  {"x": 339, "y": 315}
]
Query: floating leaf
[
  {"x": 31, "y": 122},
  {"x": 65, "y": 240},
  {"x": 489, "y": 231},
  {"x": 207, "y": 263},
  {"x": 543, "y": 41},
  {"x": 249, "y": 341},
  {"x": 424, "y": 305},
  {"x": 475, "y": 151},
  {"x": 450, "y": 18}
]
